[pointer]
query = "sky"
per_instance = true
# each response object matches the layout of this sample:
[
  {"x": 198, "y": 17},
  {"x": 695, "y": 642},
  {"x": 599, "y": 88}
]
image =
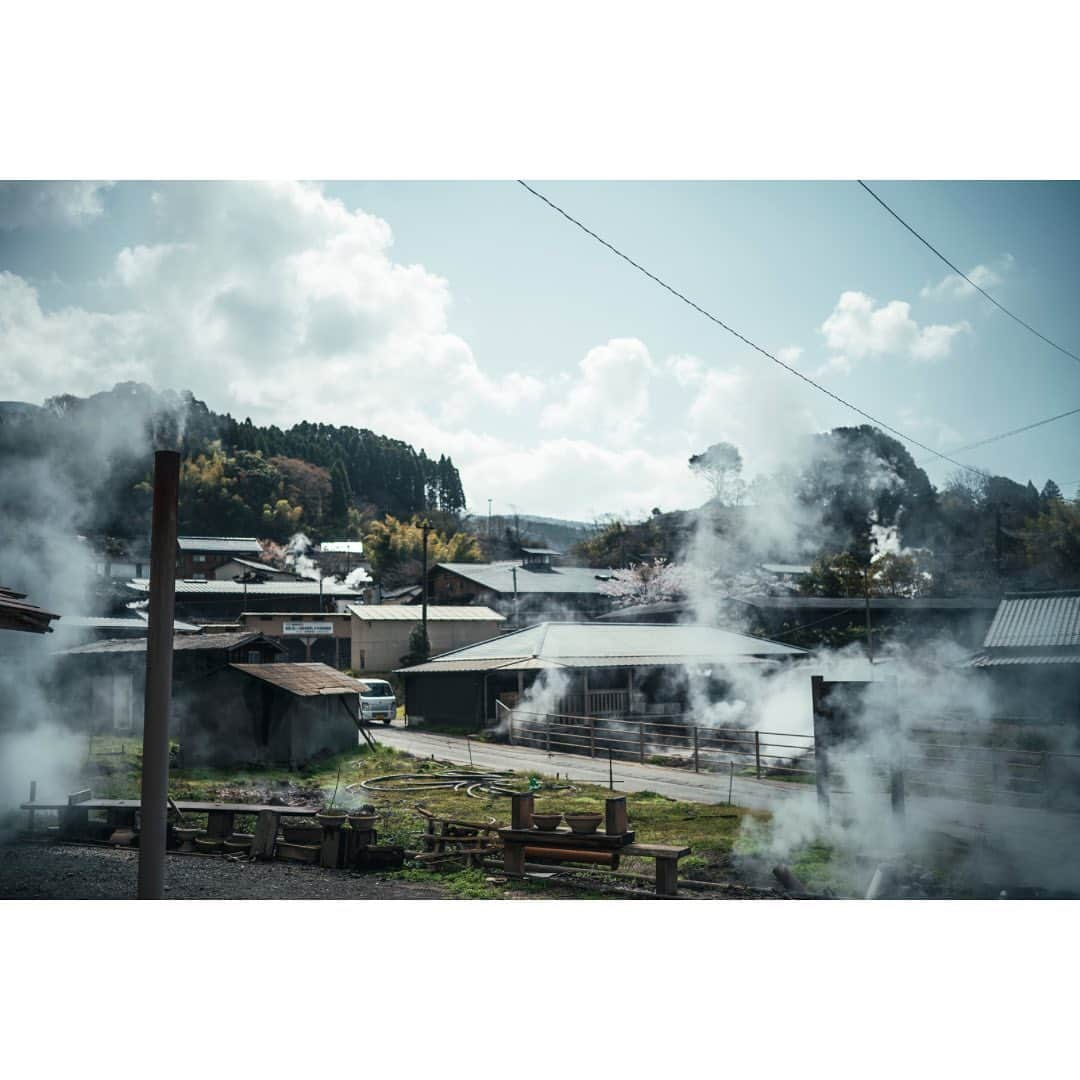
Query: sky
[{"x": 470, "y": 319}]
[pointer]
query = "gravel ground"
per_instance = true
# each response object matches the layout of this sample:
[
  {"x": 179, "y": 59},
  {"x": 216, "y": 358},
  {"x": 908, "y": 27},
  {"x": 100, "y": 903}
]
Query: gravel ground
[{"x": 71, "y": 872}]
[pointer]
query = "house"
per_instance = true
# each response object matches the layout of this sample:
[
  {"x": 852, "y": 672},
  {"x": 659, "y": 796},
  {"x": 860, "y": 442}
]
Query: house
[
  {"x": 372, "y": 638},
  {"x": 71, "y": 630},
  {"x": 381, "y": 632},
  {"x": 962, "y": 619},
  {"x": 232, "y": 703},
  {"x": 225, "y": 601},
  {"x": 1030, "y": 657},
  {"x": 341, "y": 557},
  {"x": 251, "y": 570},
  {"x": 607, "y": 669},
  {"x": 199, "y": 556},
  {"x": 524, "y": 590}
]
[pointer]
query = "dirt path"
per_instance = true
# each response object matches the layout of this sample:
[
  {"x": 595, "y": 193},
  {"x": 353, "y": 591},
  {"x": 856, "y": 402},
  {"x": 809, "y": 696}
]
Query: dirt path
[{"x": 34, "y": 871}]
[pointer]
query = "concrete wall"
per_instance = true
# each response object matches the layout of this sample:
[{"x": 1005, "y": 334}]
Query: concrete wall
[{"x": 379, "y": 644}]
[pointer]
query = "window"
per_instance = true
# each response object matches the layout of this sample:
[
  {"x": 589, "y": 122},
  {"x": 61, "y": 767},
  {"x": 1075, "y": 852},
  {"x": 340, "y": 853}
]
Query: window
[
  {"x": 254, "y": 656},
  {"x": 198, "y": 558}
]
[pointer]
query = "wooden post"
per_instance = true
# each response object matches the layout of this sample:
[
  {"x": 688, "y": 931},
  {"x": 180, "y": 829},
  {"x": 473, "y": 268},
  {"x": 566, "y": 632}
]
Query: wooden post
[
  {"x": 514, "y": 859},
  {"x": 521, "y": 811},
  {"x": 757, "y": 753},
  {"x": 821, "y": 750},
  {"x": 666, "y": 877},
  {"x": 641, "y": 741},
  {"x": 33, "y": 798},
  {"x": 616, "y": 819},
  {"x": 266, "y": 826}
]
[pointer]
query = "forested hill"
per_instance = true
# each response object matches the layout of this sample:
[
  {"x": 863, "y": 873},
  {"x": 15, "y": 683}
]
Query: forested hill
[{"x": 238, "y": 477}]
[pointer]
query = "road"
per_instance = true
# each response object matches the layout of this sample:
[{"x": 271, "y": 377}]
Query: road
[{"x": 630, "y": 776}]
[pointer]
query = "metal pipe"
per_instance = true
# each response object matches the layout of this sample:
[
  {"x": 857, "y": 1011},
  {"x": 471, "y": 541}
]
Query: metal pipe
[{"x": 159, "y": 665}]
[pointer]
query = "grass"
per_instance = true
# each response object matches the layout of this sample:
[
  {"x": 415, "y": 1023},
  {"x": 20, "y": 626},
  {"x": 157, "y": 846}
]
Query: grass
[{"x": 710, "y": 830}]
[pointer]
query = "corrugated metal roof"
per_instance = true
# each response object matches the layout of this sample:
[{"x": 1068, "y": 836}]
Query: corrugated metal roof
[
  {"x": 185, "y": 643},
  {"x": 99, "y": 622},
  {"x": 1035, "y": 620},
  {"x": 499, "y": 577},
  {"x": 261, "y": 567},
  {"x": 304, "y": 680},
  {"x": 412, "y": 612},
  {"x": 263, "y": 588},
  {"x": 1014, "y": 659},
  {"x": 224, "y": 544},
  {"x": 612, "y": 645}
]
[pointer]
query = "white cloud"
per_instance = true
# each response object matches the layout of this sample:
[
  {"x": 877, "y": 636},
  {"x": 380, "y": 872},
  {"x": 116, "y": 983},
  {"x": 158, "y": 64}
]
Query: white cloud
[
  {"x": 857, "y": 329},
  {"x": 278, "y": 294},
  {"x": 55, "y": 202},
  {"x": 611, "y": 393},
  {"x": 954, "y": 287}
]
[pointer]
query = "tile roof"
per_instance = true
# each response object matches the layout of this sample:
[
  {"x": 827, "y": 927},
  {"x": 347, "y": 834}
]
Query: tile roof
[
  {"x": 303, "y": 680},
  {"x": 436, "y": 613},
  {"x": 498, "y": 577},
  {"x": 1036, "y": 620},
  {"x": 186, "y": 587},
  {"x": 225, "y": 545}
]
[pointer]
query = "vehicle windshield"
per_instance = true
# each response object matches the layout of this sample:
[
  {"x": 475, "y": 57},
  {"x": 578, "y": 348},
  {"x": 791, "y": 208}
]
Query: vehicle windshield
[{"x": 377, "y": 689}]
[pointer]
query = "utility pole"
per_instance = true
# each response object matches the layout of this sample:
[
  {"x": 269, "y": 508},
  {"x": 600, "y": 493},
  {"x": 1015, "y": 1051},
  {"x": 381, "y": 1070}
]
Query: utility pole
[
  {"x": 154, "y": 786},
  {"x": 425, "y": 528},
  {"x": 869, "y": 630}
]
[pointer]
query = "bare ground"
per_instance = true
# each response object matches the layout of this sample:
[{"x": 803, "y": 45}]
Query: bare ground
[{"x": 35, "y": 871}]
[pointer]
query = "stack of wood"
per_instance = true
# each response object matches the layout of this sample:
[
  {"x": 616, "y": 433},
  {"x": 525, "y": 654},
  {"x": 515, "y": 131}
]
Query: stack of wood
[{"x": 447, "y": 838}]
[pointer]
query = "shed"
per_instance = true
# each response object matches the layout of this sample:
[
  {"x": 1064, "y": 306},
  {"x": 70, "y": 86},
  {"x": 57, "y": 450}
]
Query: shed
[
  {"x": 1031, "y": 655},
  {"x": 608, "y": 669}
]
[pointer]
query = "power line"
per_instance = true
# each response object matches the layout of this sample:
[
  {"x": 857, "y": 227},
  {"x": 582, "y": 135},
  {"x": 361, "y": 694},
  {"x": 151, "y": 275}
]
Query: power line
[
  {"x": 1007, "y": 434},
  {"x": 957, "y": 270},
  {"x": 746, "y": 341}
]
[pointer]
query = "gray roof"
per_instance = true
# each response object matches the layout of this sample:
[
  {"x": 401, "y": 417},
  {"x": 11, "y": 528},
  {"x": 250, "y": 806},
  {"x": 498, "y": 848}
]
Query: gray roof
[
  {"x": 187, "y": 643},
  {"x": 785, "y": 568},
  {"x": 436, "y": 613},
  {"x": 993, "y": 658},
  {"x": 261, "y": 567},
  {"x": 877, "y": 603},
  {"x": 304, "y": 680},
  {"x": 562, "y": 644},
  {"x": 498, "y": 577},
  {"x": 540, "y": 551},
  {"x": 225, "y": 545},
  {"x": 1038, "y": 620},
  {"x": 263, "y": 588},
  {"x": 104, "y": 622}
]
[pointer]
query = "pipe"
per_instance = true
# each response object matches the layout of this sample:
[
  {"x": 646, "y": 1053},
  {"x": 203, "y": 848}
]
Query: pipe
[{"x": 159, "y": 666}]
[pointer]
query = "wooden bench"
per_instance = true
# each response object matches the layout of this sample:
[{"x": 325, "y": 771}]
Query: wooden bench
[{"x": 667, "y": 858}]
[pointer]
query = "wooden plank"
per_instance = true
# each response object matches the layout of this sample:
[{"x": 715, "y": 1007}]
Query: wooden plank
[
  {"x": 189, "y": 807},
  {"x": 656, "y": 851},
  {"x": 266, "y": 828},
  {"x": 514, "y": 858},
  {"x": 566, "y": 838},
  {"x": 570, "y": 855}
]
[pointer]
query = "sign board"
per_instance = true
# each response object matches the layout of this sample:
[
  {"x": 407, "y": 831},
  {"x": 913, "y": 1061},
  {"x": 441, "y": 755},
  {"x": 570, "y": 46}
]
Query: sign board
[{"x": 308, "y": 629}]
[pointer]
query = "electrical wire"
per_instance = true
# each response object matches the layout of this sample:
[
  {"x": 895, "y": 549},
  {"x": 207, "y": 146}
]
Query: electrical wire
[
  {"x": 746, "y": 341},
  {"x": 952, "y": 266},
  {"x": 1007, "y": 434}
]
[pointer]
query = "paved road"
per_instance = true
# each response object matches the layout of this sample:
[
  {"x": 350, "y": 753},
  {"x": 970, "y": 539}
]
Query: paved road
[{"x": 674, "y": 783}]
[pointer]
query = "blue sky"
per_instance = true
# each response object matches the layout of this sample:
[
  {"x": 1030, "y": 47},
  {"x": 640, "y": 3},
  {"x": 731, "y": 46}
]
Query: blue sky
[{"x": 471, "y": 319}]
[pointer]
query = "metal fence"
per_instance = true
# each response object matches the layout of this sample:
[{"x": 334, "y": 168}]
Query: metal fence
[
  {"x": 675, "y": 741},
  {"x": 925, "y": 762}
]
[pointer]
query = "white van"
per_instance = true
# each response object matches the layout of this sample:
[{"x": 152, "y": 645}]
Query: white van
[{"x": 377, "y": 702}]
